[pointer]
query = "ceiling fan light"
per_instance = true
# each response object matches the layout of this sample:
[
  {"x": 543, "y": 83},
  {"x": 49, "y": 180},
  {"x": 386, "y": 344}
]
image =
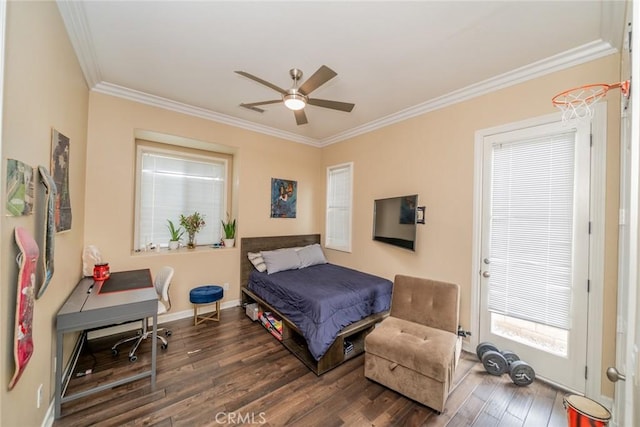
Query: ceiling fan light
[{"x": 294, "y": 101}]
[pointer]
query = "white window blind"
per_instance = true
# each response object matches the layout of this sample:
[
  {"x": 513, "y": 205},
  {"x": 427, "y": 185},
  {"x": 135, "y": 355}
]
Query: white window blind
[
  {"x": 339, "y": 200},
  {"x": 171, "y": 184},
  {"x": 532, "y": 229}
]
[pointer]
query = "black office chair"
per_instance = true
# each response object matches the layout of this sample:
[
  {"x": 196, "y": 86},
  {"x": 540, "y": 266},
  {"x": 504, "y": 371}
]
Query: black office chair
[{"x": 161, "y": 283}]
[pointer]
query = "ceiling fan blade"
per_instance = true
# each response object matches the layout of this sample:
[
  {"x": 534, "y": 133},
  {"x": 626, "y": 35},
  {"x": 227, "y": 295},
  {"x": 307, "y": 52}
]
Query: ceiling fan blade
[
  {"x": 320, "y": 77},
  {"x": 259, "y": 110},
  {"x": 263, "y": 82},
  {"x": 255, "y": 104},
  {"x": 301, "y": 117},
  {"x": 334, "y": 105}
]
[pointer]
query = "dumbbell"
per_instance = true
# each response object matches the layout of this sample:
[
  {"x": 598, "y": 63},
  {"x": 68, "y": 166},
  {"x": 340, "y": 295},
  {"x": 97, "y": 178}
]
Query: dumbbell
[
  {"x": 498, "y": 362},
  {"x": 521, "y": 373}
]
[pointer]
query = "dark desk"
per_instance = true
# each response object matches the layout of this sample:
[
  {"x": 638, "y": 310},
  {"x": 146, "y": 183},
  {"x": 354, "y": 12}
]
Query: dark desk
[{"x": 88, "y": 308}]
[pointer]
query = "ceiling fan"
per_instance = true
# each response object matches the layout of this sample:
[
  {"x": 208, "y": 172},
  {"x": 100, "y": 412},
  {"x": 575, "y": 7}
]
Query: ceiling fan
[{"x": 297, "y": 98}]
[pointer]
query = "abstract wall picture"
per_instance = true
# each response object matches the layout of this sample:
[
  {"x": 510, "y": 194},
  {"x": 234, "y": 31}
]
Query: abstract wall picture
[
  {"x": 20, "y": 188},
  {"x": 60, "y": 172},
  {"x": 284, "y": 195}
]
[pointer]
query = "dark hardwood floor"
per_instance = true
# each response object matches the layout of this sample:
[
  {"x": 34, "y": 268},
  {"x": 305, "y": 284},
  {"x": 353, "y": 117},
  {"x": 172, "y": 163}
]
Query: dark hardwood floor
[{"x": 235, "y": 373}]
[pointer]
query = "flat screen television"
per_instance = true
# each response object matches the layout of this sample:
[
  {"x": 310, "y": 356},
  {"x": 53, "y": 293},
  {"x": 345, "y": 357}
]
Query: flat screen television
[{"x": 394, "y": 221}]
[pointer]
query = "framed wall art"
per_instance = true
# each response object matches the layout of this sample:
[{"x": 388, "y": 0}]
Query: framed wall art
[
  {"x": 20, "y": 188},
  {"x": 284, "y": 195},
  {"x": 60, "y": 172}
]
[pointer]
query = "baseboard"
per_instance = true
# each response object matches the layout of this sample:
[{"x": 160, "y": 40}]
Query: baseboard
[
  {"x": 606, "y": 401},
  {"x": 49, "y": 416},
  {"x": 167, "y": 317},
  {"x": 466, "y": 346}
]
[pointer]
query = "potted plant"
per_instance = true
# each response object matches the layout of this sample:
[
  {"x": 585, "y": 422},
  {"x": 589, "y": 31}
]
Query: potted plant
[
  {"x": 175, "y": 234},
  {"x": 192, "y": 224},
  {"x": 229, "y": 228}
]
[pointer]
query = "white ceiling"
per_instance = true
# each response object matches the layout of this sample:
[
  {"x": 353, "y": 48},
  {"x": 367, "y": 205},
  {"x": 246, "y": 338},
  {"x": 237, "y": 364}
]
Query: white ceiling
[{"x": 394, "y": 59}]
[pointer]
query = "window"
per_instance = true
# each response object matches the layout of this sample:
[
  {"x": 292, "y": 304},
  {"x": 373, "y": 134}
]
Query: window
[
  {"x": 532, "y": 223},
  {"x": 339, "y": 207},
  {"x": 171, "y": 182}
]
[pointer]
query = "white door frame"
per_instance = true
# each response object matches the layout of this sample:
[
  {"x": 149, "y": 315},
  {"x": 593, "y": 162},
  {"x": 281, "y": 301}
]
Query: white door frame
[
  {"x": 626, "y": 263},
  {"x": 629, "y": 404},
  {"x": 596, "y": 253}
]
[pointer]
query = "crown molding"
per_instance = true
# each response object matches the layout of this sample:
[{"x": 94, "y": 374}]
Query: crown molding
[
  {"x": 75, "y": 21},
  {"x": 585, "y": 53},
  {"x": 178, "y": 107},
  {"x": 74, "y": 18}
]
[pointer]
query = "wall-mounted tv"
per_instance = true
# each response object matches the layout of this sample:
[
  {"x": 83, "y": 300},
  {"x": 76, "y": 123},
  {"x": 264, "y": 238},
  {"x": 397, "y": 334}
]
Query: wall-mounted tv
[{"x": 394, "y": 221}]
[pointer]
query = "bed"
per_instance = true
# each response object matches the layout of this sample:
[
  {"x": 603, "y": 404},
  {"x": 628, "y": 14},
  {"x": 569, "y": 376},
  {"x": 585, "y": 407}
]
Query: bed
[{"x": 323, "y": 335}]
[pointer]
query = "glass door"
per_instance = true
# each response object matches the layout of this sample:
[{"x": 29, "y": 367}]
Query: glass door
[{"x": 535, "y": 248}]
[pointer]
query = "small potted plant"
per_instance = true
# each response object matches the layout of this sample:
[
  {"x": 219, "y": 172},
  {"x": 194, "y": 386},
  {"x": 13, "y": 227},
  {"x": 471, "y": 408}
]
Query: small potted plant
[
  {"x": 175, "y": 234},
  {"x": 229, "y": 228},
  {"x": 192, "y": 224}
]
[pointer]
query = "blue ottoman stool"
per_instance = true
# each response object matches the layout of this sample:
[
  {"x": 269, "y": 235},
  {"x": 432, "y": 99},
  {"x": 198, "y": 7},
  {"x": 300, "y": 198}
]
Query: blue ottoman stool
[{"x": 206, "y": 295}]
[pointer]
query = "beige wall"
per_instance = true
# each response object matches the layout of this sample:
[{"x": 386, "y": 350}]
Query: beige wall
[
  {"x": 433, "y": 156},
  {"x": 113, "y": 124},
  {"x": 44, "y": 88}
]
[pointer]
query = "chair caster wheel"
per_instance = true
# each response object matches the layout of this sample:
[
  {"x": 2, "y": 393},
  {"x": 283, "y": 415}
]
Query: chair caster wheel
[
  {"x": 114, "y": 352},
  {"x": 133, "y": 358},
  {"x": 168, "y": 333},
  {"x": 164, "y": 346}
]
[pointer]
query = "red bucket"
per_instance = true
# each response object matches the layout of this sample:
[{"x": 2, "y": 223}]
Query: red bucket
[{"x": 584, "y": 412}]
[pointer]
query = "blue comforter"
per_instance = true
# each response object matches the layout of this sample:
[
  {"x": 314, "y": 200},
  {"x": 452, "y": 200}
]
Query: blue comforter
[{"x": 322, "y": 299}]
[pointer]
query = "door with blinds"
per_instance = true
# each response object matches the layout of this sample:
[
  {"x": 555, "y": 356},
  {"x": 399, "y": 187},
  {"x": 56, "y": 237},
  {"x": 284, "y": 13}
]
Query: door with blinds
[{"x": 535, "y": 248}]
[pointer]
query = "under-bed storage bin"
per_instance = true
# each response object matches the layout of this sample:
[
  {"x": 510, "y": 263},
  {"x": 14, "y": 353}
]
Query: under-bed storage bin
[{"x": 252, "y": 311}]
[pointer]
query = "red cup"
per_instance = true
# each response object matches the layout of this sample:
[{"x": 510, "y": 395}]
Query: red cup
[{"x": 101, "y": 272}]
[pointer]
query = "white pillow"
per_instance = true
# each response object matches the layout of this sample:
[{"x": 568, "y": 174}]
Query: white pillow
[
  {"x": 311, "y": 255},
  {"x": 257, "y": 260},
  {"x": 281, "y": 260}
]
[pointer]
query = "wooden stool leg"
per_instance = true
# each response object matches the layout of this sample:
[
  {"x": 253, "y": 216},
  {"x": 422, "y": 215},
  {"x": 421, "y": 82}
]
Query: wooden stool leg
[{"x": 204, "y": 317}]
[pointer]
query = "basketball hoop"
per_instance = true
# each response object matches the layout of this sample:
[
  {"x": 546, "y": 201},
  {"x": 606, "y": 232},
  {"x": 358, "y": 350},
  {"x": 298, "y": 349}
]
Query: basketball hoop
[{"x": 577, "y": 103}]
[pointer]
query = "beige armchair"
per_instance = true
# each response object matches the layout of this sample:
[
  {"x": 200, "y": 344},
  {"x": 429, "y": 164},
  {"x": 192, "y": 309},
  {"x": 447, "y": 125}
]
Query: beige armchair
[{"x": 415, "y": 350}]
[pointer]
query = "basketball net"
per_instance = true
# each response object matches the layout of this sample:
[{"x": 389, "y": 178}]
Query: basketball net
[{"x": 577, "y": 103}]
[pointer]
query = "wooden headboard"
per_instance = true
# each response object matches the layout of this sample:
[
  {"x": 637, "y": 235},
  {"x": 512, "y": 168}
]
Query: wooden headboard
[{"x": 257, "y": 244}]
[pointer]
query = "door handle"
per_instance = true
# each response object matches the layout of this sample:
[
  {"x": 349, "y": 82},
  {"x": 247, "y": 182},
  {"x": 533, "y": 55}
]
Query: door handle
[
  {"x": 486, "y": 274},
  {"x": 614, "y": 375}
]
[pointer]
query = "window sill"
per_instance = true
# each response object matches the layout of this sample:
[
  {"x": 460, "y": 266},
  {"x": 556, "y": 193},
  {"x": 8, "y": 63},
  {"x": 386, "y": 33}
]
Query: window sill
[
  {"x": 339, "y": 249},
  {"x": 182, "y": 250}
]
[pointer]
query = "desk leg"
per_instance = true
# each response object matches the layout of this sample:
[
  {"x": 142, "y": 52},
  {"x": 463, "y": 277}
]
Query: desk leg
[
  {"x": 154, "y": 350},
  {"x": 58, "y": 368}
]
